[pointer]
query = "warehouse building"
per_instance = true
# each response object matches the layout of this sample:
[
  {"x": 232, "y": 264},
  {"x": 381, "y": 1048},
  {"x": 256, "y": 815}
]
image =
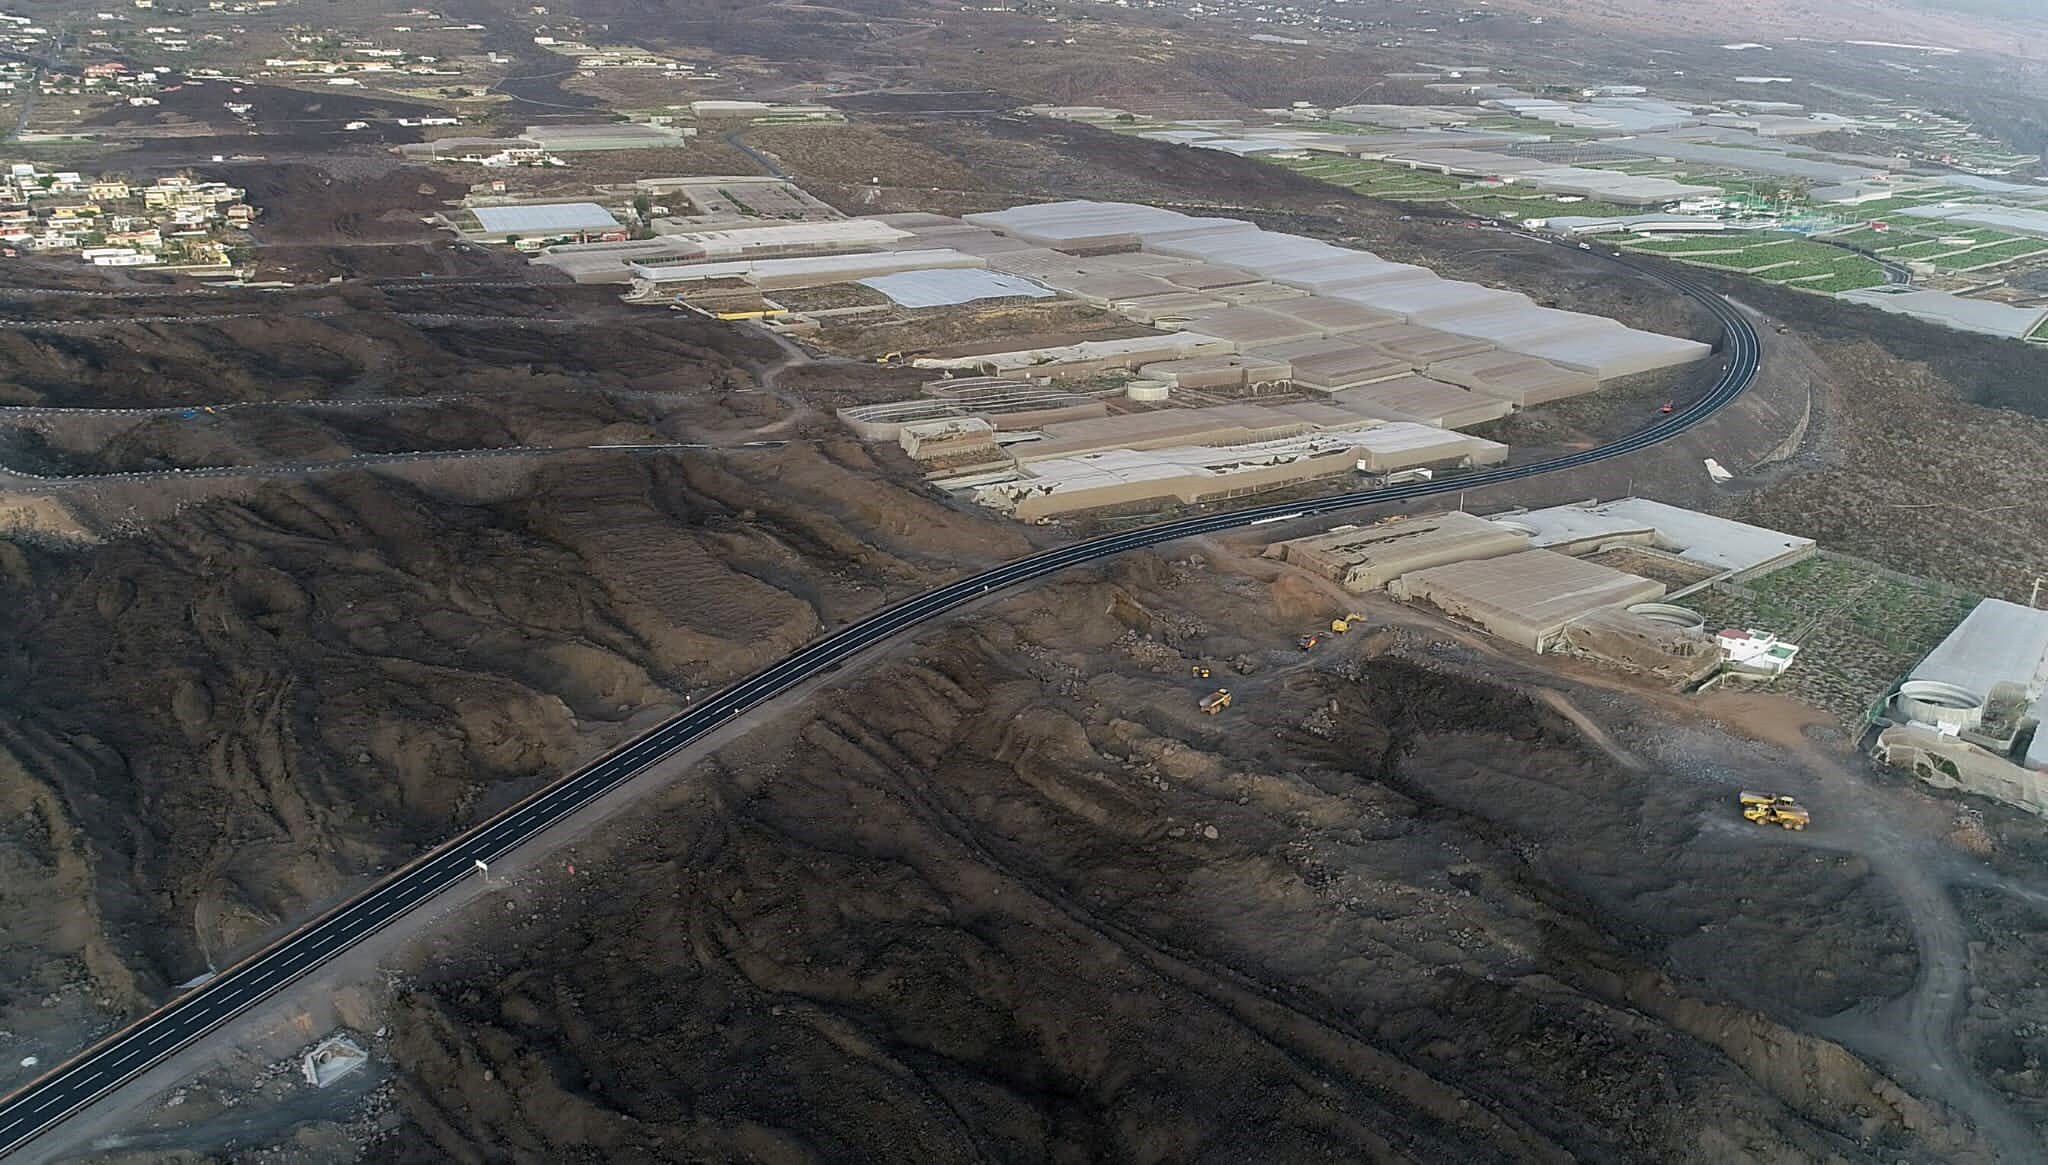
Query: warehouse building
[
  {"x": 1719, "y": 544},
  {"x": 542, "y": 220},
  {"x": 1085, "y": 358},
  {"x": 619, "y": 135},
  {"x": 950, "y": 287},
  {"x": 1954, "y": 311},
  {"x": 653, "y": 279},
  {"x": 1970, "y": 716},
  {"x": 1367, "y": 558},
  {"x": 782, "y": 240},
  {"x": 1520, "y": 380},
  {"x": 1123, "y": 477},
  {"x": 1007, "y": 405},
  {"x": 1527, "y": 597},
  {"x": 1418, "y": 398}
]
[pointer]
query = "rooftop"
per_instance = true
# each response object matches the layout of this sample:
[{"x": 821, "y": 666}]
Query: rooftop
[{"x": 558, "y": 217}]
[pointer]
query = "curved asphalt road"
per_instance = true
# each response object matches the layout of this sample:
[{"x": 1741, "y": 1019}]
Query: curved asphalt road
[{"x": 186, "y": 1019}]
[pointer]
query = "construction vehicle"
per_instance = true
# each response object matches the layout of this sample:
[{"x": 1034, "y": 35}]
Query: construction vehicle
[
  {"x": 895, "y": 358},
  {"x": 1343, "y": 625},
  {"x": 1775, "y": 809},
  {"x": 1200, "y": 671},
  {"x": 1215, "y": 701},
  {"x": 1309, "y": 642}
]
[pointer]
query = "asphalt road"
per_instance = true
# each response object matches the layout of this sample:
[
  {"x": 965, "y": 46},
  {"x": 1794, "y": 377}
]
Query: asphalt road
[{"x": 150, "y": 1040}]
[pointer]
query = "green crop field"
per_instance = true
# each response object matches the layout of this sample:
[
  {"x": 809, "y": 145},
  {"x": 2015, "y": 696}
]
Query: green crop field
[
  {"x": 2005, "y": 252},
  {"x": 2040, "y": 333},
  {"x": 1700, "y": 245}
]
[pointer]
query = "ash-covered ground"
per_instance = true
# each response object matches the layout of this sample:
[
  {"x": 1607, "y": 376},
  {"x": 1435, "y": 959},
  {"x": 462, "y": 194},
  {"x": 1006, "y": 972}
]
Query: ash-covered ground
[{"x": 1011, "y": 897}]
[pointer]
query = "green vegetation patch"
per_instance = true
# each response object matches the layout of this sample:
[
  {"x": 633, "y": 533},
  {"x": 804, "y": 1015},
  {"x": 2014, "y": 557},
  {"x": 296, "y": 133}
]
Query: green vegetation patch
[{"x": 1859, "y": 627}]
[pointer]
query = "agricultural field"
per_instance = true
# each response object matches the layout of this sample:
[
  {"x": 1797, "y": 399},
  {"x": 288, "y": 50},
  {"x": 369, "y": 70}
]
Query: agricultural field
[
  {"x": 1782, "y": 259},
  {"x": 1996, "y": 253},
  {"x": 2040, "y": 334},
  {"x": 1947, "y": 250},
  {"x": 1859, "y": 627}
]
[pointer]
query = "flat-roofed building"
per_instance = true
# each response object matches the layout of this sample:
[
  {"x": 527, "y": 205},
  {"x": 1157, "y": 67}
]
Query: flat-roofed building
[
  {"x": 1520, "y": 380},
  {"x": 1347, "y": 366},
  {"x": 1366, "y": 558},
  {"x": 1418, "y": 398},
  {"x": 1717, "y": 543},
  {"x": 1419, "y": 346},
  {"x": 1334, "y": 316},
  {"x": 1249, "y": 373},
  {"x": 1247, "y": 326},
  {"x": 1527, "y": 597}
]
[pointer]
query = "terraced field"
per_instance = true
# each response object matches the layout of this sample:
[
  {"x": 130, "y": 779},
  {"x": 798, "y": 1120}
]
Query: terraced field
[
  {"x": 1775, "y": 258},
  {"x": 1859, "y": 627}
]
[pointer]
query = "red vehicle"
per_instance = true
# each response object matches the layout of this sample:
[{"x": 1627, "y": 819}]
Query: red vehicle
[{"x": 1669, "y": 408}]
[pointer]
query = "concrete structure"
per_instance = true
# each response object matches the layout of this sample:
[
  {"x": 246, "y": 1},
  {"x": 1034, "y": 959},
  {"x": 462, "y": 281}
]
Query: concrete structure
[
  {"x": 1720, "y": 544},
  {"x": 1418, "y": 398},
  {"x": 554, "y": 218},
  {"x": 1229, "y": 374},
  {"x": 1399, "y": 445},
  {"x": 949, "y": 439},
  {"x": 1527, "y": 597},
  {"x": 331, "y": 1059},
  {"x": 1366, "y": 558},
  {"x": 1946, "y": 762},
  {"x": 1987, "y": 683},
  {"x": 949, "y": 287},
  {"x": 1954, "y": 311},
  {"x": 1637, "y": 639}
]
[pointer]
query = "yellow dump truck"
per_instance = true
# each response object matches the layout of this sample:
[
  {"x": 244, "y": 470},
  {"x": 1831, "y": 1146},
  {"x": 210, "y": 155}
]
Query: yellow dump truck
[
  {"x": 1775, "y": 809},
  {"x": 1215, "y": 701}
]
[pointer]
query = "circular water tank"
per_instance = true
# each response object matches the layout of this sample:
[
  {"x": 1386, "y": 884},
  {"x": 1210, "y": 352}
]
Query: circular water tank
[
  {"x": 1940, "y": 704},
  {"x": 1148, "y": 390},
  {"x": 1666, "y": 613}
]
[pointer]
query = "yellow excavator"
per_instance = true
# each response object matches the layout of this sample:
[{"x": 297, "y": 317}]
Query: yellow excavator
[
  {"x": 1775, "y": 809},
  {"x": 1343, "y": 625},
  {"x": 1200, "y": 671}
]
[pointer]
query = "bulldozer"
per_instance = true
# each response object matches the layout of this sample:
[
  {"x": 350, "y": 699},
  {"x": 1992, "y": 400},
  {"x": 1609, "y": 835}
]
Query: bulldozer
[
  {"x": 1343, "y": 625},
  {"x": 1215, "y": 701},
  {"x": 1774, "y": 809}
]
